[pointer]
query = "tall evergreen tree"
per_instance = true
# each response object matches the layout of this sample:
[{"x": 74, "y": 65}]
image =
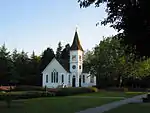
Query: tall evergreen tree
[
  {"x": 66, "y": 52},
  {"x": 16, "y": 76},
  {"x": 46, "y": 57},
  {"x": 6, "y": 66},
  {"x": 59, "y": 51},
  {"x": 34, "y": 69},
  {"x": 23, "y": 67}
]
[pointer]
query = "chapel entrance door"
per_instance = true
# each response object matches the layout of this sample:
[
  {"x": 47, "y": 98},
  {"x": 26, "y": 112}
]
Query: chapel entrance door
[{"x": 73, "y": 81}]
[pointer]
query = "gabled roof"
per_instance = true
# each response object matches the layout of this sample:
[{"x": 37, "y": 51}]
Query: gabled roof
[
  {"x": 65, "y": 64},
  {"x": 76, "y": 43}
]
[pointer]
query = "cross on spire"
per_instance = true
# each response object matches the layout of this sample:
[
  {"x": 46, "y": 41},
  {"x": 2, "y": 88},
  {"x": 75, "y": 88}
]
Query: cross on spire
[{"x": 76, "y": 28}]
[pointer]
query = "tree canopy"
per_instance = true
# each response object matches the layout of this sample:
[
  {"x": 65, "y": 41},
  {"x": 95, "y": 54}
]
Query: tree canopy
[
  {"x": 18, "y": 68},
  {"x": 131, "y": 16},
  {"x": 112, "y": 66}
]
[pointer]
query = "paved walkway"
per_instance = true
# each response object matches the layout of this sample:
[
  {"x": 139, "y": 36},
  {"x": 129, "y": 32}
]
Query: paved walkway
[{"x": 109, "y": 106}]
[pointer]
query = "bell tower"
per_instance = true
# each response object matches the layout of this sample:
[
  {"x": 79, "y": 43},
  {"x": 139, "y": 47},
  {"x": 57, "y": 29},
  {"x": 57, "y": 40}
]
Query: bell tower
[{"x": 76, "y": 58}]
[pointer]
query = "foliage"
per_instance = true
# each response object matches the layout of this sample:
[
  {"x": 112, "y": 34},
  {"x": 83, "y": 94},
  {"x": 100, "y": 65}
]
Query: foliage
[
  {"x": 47, "y": 56},
  {"x": 94, "y": 89},
  {"x": 8, "y": 97},
  {"x": 73, "y": 91},
  {"x": 65, "y": 54},
  {"x": 130, "y": 16},
  {"x": 5, "y": 65},
  {"x": 18, "y": 68},
  {"x": 34, "y": 92},
  {"x": 28, "y": 88},
  {"x": 112, "y": 66},
  {"x": 59, "y": 51}
]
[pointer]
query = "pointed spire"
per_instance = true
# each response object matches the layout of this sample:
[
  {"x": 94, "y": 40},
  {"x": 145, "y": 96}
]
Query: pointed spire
[{"x": 76, "y": 42}]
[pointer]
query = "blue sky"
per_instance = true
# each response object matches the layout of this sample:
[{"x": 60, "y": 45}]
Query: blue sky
[{"x": 37, "y": 24}]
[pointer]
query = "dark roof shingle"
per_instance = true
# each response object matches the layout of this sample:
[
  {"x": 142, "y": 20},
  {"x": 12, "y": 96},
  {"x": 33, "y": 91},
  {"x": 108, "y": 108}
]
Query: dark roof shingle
[
  {"x": 65, "y": 64},
  {"x": 76, "y": 43}
]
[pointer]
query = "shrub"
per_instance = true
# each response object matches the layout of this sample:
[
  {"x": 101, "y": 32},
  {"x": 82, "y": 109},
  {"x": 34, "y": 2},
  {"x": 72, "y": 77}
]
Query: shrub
[
  {"x": 28, "y": 88},
  {"x": 125, "y": 89},
  {"x": 137, "y": 89},
  {"x": 94, "y": 89},
  {"x": 115, "y": 89},
  {"x": 25, "y": 95},
  {"x": 47, "y": 93},
  {"x": 73, "y": 91}
]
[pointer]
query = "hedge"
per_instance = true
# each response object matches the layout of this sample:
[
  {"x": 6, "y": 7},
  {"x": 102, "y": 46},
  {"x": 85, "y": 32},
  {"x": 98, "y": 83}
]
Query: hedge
[
  {"x": 28, "y": 88},
  {"x": 21, "y": 94},
  {"x": 24, "y": 95},
  {"x": 73, "y": 91},
  {"x": 114, "y": 89}
]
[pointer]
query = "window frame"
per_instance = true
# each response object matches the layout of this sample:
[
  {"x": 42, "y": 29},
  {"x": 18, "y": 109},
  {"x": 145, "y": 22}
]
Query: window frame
[
  {"x": 46, "y": 78},
  {"x": 83, "y": 77},
  {"x": 62, "y": 78},
  {"x": 80, "y": 67}
]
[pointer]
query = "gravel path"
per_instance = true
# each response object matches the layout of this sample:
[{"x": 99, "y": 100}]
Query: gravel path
[{"x": 109, "y": 106}]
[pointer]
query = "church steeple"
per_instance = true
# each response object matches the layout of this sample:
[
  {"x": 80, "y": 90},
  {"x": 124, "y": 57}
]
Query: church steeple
[{"x": 76, "y": 43}]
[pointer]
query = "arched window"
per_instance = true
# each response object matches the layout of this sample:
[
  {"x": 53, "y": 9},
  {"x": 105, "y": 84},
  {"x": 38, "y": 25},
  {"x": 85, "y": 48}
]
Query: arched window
[
  {"x": 54, "y": 76},
  {"x": 73, "y": 57},
  {"x": 62, "y": 78},
  {"x": 80, "y": 57},
  {"x": 83, "y": 78},
  {"x": 69, "y": 79},
  {"x": 57, "y": 77},
  {"x": 79, "y": 66},
  {"x": 46, "y": 78}
]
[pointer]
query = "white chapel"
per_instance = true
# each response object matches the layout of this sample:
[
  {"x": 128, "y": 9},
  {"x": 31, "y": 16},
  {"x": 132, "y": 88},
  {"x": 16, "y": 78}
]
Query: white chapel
[{"x": 58, "y": 73}]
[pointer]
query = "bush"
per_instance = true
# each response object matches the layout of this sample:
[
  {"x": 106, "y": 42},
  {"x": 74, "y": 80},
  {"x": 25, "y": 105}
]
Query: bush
[
  {"x": 115, "y": 89},
  {"x": 73, "y": 91},
  {"x": 48, "y": 93},
  {"x": 94, "y": 89},
  {"x": 137, "y": 89},
  {"x": 25, "y": 95},
  {"x": 28, "y": 88},
  {"x": 125, "y": 89}
]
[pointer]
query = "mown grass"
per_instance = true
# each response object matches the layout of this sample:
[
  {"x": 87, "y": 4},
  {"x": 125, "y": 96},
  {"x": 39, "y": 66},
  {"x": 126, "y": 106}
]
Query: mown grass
[
  {"x": 63, "y": 104},
  {"x": 113, "y": 94},
  {"x": 133, "y": 108},
  {"x": 53, "y": 105}
]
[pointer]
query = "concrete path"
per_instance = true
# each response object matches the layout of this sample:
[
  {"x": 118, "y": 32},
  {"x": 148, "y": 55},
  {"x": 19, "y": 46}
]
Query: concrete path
[{"x": 109, "y": 106}]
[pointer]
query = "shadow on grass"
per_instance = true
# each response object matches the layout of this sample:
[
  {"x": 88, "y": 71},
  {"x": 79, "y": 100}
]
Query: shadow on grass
[{"x": 15, "y": 107}]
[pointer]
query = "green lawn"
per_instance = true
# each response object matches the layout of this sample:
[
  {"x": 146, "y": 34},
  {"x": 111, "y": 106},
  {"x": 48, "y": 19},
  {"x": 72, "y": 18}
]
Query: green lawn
[
  {"x": 53, "y": 105},
  {"x": 63, "y": 104},
  {"x": 112, "y": 94},
  {"x": 133, "y": 108}
]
